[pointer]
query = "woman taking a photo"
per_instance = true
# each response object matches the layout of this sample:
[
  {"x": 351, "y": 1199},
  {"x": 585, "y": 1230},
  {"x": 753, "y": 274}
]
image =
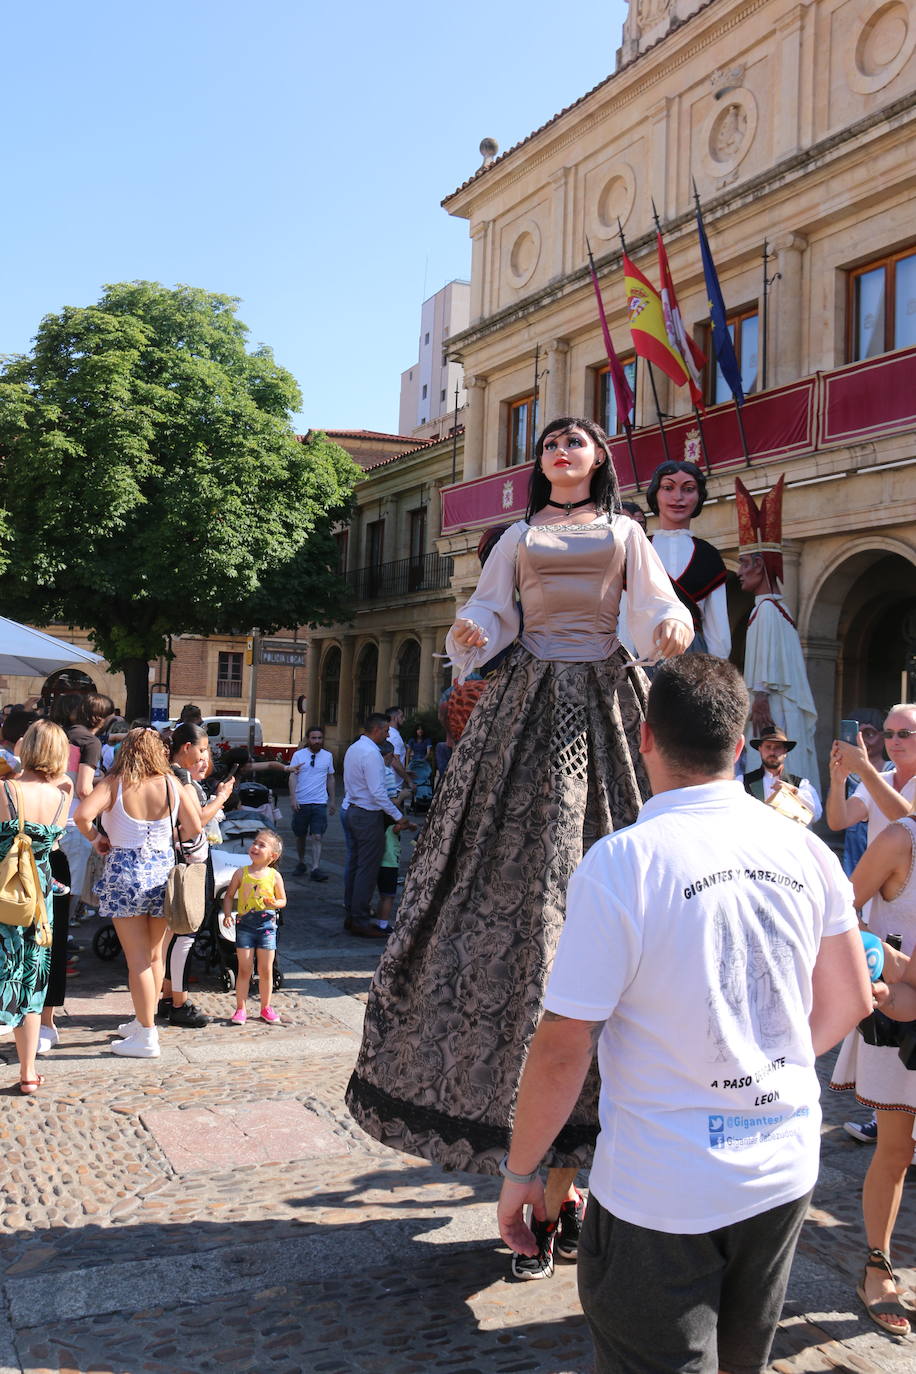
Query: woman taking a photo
[
  {"x": 191, "y": 763},
  {"x": 140, "y": 803},
  {"x": 25, "y": 965}
]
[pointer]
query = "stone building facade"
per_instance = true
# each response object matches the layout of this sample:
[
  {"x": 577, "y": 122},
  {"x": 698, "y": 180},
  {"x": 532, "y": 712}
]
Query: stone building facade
[
  {"x": 403, "y": 596},
  {"x": 794, "y": 120}
]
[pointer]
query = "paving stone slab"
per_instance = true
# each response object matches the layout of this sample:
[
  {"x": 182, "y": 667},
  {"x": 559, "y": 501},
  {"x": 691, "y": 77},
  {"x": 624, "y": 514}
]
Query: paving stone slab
[{"x": 195, "y": 1139}]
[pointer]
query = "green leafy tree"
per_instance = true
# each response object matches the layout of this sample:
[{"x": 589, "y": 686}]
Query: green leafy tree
[{"x": 153, "y": 483}]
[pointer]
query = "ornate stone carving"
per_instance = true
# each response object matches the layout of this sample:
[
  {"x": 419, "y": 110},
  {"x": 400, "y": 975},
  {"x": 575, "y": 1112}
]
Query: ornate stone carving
[{"x": 728, "y": 133}]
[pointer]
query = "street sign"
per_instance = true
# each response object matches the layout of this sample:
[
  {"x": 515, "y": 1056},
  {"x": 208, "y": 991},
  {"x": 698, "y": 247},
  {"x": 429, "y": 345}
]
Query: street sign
[
  {"x": 282, "y": 654},
  {"x": 159, "y": 706}
]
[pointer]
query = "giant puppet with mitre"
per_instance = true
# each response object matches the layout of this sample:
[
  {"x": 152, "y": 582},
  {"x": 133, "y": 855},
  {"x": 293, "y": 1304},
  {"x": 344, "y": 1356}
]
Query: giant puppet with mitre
[{"x": 774, "y": 666}]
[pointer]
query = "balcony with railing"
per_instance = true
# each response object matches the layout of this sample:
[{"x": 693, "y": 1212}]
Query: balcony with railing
[{"x": 384, "y": 581}]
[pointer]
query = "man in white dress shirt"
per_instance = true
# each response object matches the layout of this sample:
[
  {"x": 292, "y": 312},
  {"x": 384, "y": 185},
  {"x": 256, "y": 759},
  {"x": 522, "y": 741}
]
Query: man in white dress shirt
[{"x": 368, "y": 805}]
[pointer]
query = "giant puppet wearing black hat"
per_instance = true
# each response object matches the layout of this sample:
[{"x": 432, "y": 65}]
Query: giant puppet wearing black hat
[{"x": 774, "y": 667}]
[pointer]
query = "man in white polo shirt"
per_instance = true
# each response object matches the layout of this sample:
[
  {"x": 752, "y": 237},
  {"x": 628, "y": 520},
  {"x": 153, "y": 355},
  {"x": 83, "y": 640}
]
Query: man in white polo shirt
[
  {"x": 312, "y": 797},
  {"x": 710, "y": 951}
]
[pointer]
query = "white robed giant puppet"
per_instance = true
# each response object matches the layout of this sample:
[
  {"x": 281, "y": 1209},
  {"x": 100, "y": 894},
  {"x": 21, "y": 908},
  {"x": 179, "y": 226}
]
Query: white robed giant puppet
[{"x": 774, "y": 666}]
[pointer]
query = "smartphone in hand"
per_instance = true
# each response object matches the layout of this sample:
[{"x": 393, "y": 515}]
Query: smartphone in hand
[{"x": 849, "y": 731}]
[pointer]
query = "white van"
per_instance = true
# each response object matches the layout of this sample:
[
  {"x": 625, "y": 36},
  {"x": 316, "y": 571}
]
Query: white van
[{"x": 231, "y": 732}]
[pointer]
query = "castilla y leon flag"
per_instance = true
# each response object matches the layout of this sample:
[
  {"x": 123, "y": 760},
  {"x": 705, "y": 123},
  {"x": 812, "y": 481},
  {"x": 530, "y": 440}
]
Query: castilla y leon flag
[
  {"x": 647, "y": 324},
  {"x": 678, "y": 338}
]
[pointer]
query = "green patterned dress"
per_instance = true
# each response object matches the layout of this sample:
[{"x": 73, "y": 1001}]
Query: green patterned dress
[{"x": 25, "y": 965}]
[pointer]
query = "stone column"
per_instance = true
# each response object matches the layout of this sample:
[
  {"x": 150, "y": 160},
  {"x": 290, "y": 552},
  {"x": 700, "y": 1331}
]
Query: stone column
[
  {"x": 479, "y": 233},
  {"x": 559, "y": 248},
  {"x": 556, "y": 392},
  {"x": 791, "y": 557},
  {"x": 347, "y": 687},
  {"x": 821, "y": 661},
  {"x": 426, "y": 690},
  {"x": 313, "y": 684},
  {"x": 383, "y": 693},
  {"x": 476, "y": 388},
  {"x": 785, "y": 311}
]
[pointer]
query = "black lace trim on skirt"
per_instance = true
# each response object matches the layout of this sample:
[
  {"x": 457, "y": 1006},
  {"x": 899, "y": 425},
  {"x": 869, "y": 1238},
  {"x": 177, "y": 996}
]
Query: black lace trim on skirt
[{"x": 480, "y": 1135}]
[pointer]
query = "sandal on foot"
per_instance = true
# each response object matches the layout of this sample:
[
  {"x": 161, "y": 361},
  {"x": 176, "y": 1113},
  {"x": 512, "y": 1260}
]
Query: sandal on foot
[
  {"x": 28, "y": 1086},
  {"x": 882, "y": 1308}
]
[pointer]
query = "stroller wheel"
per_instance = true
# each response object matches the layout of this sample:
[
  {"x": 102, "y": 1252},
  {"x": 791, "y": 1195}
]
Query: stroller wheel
[
  {"x": 277, "y": 978},
  {"x": 227, "y": 978},
  {"x": 105, "y": 943}
]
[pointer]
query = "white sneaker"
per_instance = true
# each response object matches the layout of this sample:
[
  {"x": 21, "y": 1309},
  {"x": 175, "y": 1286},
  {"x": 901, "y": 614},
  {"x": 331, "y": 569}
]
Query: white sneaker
[
  {"x": 48, "y": 1037},
  {"x": 142, "y": 1044},
  {"x": 128, "y": 1027}
]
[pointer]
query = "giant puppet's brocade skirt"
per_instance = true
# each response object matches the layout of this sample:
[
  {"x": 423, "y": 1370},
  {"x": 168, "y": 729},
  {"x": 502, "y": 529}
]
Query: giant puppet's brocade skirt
[{"x": 549, "y": 761}]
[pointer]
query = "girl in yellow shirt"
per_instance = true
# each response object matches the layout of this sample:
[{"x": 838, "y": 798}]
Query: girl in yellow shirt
[{"x": 261, "y": 895}]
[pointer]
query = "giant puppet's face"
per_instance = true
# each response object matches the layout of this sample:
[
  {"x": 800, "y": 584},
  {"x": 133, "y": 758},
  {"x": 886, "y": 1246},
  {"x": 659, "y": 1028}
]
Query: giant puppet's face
[
  {"x": 677, "y": 498},
  {"x": 752, "y": 574}
]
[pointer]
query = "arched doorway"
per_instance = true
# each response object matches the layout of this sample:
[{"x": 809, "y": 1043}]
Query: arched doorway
[
  {"x": 409, "y": 676},
  {"x": 366, "y": 676},
  {"x": 861, "y": 635},
  {"x": 330, "y": 687}
]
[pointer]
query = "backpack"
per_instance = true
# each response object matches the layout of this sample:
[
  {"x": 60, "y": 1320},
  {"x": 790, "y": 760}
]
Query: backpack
[{"x": 22, "y": 901}]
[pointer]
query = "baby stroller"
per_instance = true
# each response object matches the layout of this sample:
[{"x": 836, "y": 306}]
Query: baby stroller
[
  {"x": 220, "y": 939},
  {"x": 422, "y": 774},
  {"x": 254, "y": 810}
]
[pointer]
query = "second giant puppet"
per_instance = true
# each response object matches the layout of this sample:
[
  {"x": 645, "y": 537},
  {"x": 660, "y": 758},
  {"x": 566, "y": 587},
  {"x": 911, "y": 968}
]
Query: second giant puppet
[
  {"x": 676, "y": 495},
  {"x": 774, "y": 666}
]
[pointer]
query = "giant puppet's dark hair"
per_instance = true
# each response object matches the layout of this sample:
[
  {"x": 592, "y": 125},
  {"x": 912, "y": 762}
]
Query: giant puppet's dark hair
[
  {"x": 604, "y": 490},
  {"x": 668, "y": 470}
]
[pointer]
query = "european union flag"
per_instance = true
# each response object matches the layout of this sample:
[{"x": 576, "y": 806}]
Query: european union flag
[{"x": 722, "y": 342}]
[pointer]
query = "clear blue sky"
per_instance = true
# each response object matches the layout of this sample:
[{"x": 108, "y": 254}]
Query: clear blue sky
[{"x": 291, "y": 154}]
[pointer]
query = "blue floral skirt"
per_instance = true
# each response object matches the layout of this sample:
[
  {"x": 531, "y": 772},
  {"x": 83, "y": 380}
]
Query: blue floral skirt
[{"x": 133, "y": 882}]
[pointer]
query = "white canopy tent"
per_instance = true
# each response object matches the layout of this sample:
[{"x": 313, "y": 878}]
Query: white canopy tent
[{"x": 31, "y": 653}]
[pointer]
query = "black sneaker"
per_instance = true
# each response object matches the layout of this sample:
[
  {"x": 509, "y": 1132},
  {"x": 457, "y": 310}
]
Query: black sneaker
[
  {"x": 317, "y": 876},
  {"x": 188, "y": 1015},
  {"x": 164, "y": 1009},
  {"x": 539, "y": 1266},
  {"x": 572, "y": 1214}
]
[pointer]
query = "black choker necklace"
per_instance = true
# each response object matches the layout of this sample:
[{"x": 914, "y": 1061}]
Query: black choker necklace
[{"x": 571, "y": 505}]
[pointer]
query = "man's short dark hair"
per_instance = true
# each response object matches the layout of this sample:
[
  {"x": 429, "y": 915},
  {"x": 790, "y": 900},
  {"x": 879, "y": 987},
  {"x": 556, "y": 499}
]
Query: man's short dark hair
[
  {"x": 95, "y": 708},
  {"x": 191, "y": 713},
  {"x": 392, "y": 712},
  {"x": 697, "y": 710},
  {"x": 314, "y": 730},
  {"x": 374, "y": 720}
]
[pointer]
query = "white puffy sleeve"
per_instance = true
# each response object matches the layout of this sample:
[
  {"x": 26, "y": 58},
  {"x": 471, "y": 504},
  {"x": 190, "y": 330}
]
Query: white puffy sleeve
[
  {"x": 493, "y": 607},
  {"x": 716, "y": 629},
  {"x": 650, "y": 595}
]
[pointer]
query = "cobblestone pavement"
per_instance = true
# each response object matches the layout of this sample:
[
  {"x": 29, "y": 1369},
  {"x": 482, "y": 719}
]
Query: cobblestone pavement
[{"x": 215, "y": 1209}]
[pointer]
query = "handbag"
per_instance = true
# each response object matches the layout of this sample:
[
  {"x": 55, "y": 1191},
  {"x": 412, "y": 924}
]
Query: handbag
[
  {"x": 185, "y": 890},
  {"x": 22, "y": 901}
]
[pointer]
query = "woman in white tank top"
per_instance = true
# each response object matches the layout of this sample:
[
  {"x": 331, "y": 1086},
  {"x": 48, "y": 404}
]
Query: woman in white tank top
[{"x": 141, "y": 803}]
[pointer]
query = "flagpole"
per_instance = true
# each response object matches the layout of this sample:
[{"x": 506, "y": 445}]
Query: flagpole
[
  {"x": 765, "y": 322},
  {"x": 696, "y": 410},
  {"x": 627, "y": 428},
  {"x": 658, "y": 408},
  {"x": 532, "y": 437},
  {"x": 740, "y": 418}
]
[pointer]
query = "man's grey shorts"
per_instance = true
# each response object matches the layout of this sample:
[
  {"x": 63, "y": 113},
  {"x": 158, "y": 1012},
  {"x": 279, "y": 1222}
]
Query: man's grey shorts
[{"x": 658, "y": 1303}]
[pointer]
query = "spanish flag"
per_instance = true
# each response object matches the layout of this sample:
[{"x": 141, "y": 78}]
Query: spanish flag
[{"x": 647, "y": 325}]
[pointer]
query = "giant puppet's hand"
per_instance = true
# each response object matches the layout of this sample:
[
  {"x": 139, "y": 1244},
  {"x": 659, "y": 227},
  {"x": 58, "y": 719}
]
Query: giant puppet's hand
[
  {"x": 672, "y": 637},
  {"x": 760, "y": 712}
]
